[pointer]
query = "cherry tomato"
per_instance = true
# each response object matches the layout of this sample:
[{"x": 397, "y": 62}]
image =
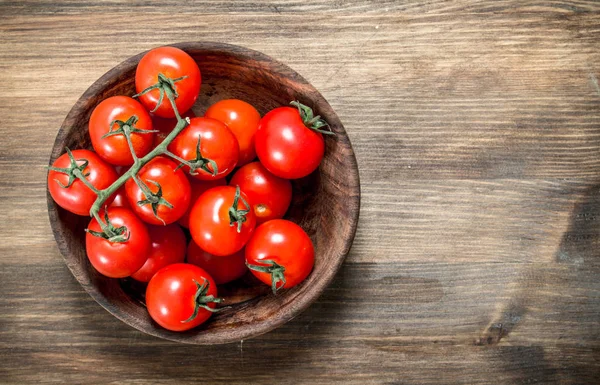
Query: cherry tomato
[
  {"x": 280, "y": 254},
  {"x": 285, "y": 144},
  {"x": 161, "y": 205},
  {"x": 181, "y": 296},
  {"x": 242, "y": 119},
  {"x": 164, "y": 126},
  {"x": 223, "y": 269},
  {"x": 198, "y": 188},
  {"x": 221, "y": 222},
  {"x": 173, "y": 64},
  {"x": 129, "y": 249},
  {"x": 218, "y": 146},
  {"x": 269, "y": 196},
  {"x": 120, "y": 198},
  {"x": 167, "y": 246},
  {"x": 71, "y": 193},
  {"x": 114, "y": 116}
]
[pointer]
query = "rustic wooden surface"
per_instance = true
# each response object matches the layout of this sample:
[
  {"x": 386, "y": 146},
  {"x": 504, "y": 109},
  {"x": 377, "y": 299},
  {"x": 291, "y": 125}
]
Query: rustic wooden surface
[{"x": 476, "y": 125}]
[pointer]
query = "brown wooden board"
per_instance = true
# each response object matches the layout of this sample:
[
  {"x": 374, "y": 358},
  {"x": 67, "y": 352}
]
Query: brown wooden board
[{"x": 476, "y": 127}]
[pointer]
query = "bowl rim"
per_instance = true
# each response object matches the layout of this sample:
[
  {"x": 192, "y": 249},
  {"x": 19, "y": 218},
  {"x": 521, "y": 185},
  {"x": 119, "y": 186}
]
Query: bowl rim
[{"x": 279, "y": 317}]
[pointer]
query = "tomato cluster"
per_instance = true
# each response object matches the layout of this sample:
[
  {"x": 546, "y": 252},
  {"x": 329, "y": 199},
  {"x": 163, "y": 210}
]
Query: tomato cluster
[{"x": 157, "y": 170}]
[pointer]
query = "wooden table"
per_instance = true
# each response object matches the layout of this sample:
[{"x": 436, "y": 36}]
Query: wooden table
[{"x": 476, "y": 125}]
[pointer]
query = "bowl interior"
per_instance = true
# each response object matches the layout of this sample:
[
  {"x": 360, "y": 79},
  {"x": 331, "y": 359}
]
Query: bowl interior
[{"x": 325, "y": 203}]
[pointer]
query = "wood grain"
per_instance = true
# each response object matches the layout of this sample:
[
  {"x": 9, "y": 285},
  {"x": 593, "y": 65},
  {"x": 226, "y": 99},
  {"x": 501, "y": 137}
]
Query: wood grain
[{"x": 476, "y": 126}]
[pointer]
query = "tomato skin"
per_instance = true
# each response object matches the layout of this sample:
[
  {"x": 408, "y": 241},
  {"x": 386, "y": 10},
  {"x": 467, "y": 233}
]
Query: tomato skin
[
  {"x": 170, "y": 296},
  {"x": 164, "y": 126},
  {"x": 209, "y": 222},
  {"x": 167, "y": 246},
  {"x": 120, "y": 198},
  {"x": 175, "y": 189},
  {"x": 223, "y": 269},
  {"x": 218, "y": 143},
  {"x": 118, "y": 260},
  {"x": 285, "y": 146},
  {"x": 242, "y": 119},
  {"x": 269, "y": 196},
  {"x": 173, "y": 63},
  {"x": 198, "y": 188},
  {"x": 114, "y": 149},
  {"x": 285, "y": 243},
  {"x": 78, "y": 198}
]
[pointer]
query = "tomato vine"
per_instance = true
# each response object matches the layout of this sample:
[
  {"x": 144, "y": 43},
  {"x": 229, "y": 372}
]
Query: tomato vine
[{"x": 166, "y": 87}]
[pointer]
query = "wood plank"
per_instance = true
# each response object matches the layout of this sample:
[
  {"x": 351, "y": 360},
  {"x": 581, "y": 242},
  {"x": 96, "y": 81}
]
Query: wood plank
[
  {"x": 428, "y": 315},
  {"x": 519, "y": 100},
  {"x": 450, "y": 221},
  {"x": 457, "y": 304},
  {"x": 284, "y": 7},
  {"x": 476, "y": 125}
]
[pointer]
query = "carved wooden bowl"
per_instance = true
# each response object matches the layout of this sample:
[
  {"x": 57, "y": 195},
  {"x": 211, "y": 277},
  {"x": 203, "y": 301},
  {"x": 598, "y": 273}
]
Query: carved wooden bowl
[{"x": 325, "y": 204}]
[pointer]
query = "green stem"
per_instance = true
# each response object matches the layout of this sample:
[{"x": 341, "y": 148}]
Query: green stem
[
  {"x": 274, "y": 269},
  {"x": 100, "y": 221},
  {"x": 141, "y": 162},
  {"x": 130, "y": 144},
  {"x": 142, "y": 186},
  {"x": 79, "y": 175},
  {"x": 202, "y": 300},
  {"x": 171, "y": 96},
  {"x": 178, "y": 158},
  {"x": 311, "y": 121},
  {"x": 236, "y": 215}
]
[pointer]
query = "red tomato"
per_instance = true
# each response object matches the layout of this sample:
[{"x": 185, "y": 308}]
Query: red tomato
[
  {"x": 268, "y": 195},
  {"x": 198, "y": 188},
  {"x": 280, "y": 254},
  {"x": 221, "y": 222},
  {"x": 223, "y": 269},
  {"x": 120, "y": 198},
  {"x": 169, "y": 202},
  {"x": 242, "y": 119},
  {"x": 167, "y": 246},
  {"x": 128, "y": 253},
  {"x": 164, "y": 126},
  {"x": 71, "y": 193},
  {"x": 181, "y": 296},
  {"x": 173, "y": 64},
  {"x": 286, "y": 145},
  {"x": 218, "y": 146},
  {"x": 113, "y": 116}
]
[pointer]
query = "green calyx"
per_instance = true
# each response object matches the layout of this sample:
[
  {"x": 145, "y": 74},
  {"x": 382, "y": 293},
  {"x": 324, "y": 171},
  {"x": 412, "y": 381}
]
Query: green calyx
[
  {"x": 201, "y": 300},
  {"x": 164, "y": 85},
  {"x": 271, "y": 267},
  {"x": 126, "y": 128},
  {"x": 74, "y": 171},
  {"x": 109, "y": 232},
  {"x": 153, "y": 199},
  {"x": 206, "y": 164},
  {"x": 236, "y": 215},
  {"x": 167, "y": 89},
  {"x": 311, "y": 121}
]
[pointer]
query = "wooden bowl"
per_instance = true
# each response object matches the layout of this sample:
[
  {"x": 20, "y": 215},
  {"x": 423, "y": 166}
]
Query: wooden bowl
[{"x": 325, "y": 204}]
